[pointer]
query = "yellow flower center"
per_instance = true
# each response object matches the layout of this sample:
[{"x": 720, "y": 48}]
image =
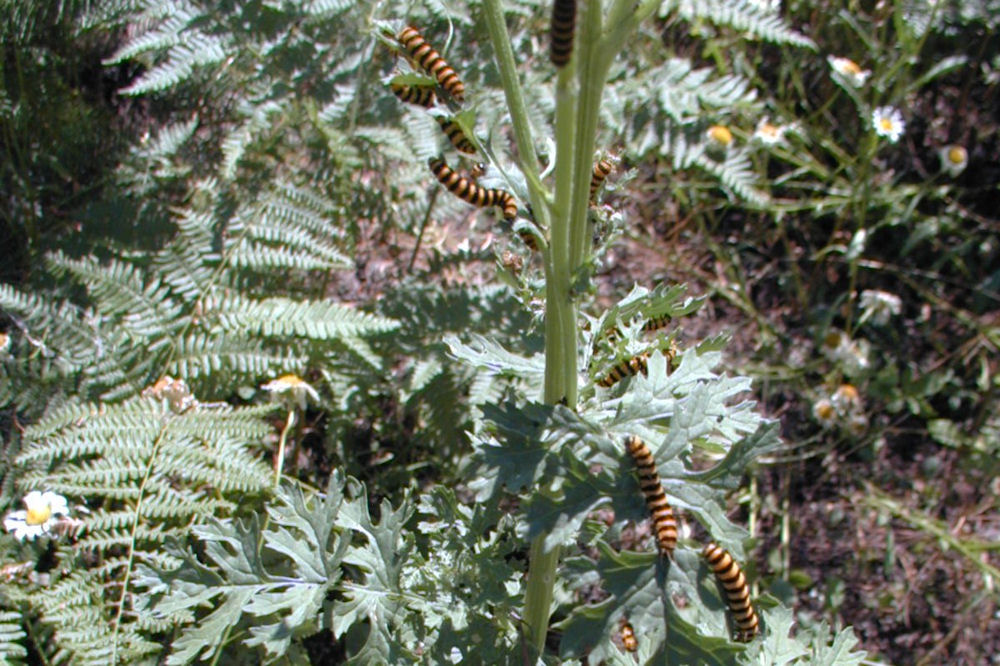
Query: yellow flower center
[
  {"x": 957, "y": 155},
  {"x": 850, "y": 66},
  {"x": 767, "y": 129},
  {"x": 886, "y": 123},
  {"x": 848, "y": 392},
  {"x": 720, "y": 134},
  {"x": 290, "y": 380},
  {"x": 825, "y": 411},
  {"x": 38, "y": 515},
  {"x": 832, "y": 340}
]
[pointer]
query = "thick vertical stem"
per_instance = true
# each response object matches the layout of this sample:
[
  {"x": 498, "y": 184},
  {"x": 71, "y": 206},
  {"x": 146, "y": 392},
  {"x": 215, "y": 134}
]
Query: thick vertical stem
[{"x": 578, "y": 97}]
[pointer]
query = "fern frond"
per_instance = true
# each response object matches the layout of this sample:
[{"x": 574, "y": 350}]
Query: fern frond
[
  {"x": 194, "y": 51},
  {"x": 278, "y": 231},
  {"x": 336, "y": 110},
  {"x": 743, "y": 16},
  {"x": 235, "y": 144},
  {"x": 327, "y": 8},
  {"x": 302, "y": 209},
  {"x": 119, "y": 292},
  {"x": 685, "y": 92},
  {"x": 223, "y": 354},
  {"x": 316, "y": 320},
  {"x": 734, "y": 170},
  {"x": 11, "y": 633},
  {"x": 75, "y": 607},
  {"x": 165, "y": 144},
  {"x": 172, "y": 19}
]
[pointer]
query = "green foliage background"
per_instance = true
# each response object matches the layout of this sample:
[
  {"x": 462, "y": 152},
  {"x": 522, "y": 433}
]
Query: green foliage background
[{"x": 209, "y": 231}]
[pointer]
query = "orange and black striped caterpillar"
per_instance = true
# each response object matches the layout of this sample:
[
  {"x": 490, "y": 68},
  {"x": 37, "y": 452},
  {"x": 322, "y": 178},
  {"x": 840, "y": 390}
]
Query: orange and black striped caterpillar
[
  {"x": 563, "y": 24},
  {"x": 456, "y": 135},
  {"x": 419, "y": 95},
  {"x": 729, "y": 574},
  {"x": 656, "y": 323},
  {"x": 468, "y": 190},
  {"x": 527, "y": 237},
  {"x": 431, "y": 62},
  {"x": 664, "y": 522},
  {"x": 629, "y": 641},
  {"x": 601, "y": 171},
  {"x": 626, "y": 368}
]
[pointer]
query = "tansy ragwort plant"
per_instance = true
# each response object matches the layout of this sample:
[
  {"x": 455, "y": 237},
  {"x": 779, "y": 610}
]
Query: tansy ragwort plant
[
  {"x": 568, "y": 451},
  {"x": 208, "y": 553}
]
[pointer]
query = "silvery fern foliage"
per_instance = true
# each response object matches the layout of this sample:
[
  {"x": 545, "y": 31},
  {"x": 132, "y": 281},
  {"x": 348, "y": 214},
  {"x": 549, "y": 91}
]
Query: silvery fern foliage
[
  {"x": 670, "y": 103},
  {"x": 147, "y": 473},
  {"x": 11, "y": 650},
  {"x": 747, "y": 16},
  {"x": 193, "y": 309}
]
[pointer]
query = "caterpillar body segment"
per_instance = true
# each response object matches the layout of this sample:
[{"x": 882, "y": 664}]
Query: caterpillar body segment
[
  {"x": 563, "y": 25},
  {"x": 601, "y": 170},
  {"x": 508, "y": 204},
  {"x": 626, "y": 368},
  {"x": 664, "y": 523},
  {"x": 418, "y": 95},
  {"x": 526, "y": 232},
  {"x": 469, "y": 191},
  {"x": 734, "y": 583},
  {"x": 656, "y": 323},
  {"x": 431, "y": 62},
  {"x": 456, "y": 136}
]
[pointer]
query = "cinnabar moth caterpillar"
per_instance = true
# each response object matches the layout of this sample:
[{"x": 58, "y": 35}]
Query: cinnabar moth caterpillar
[
  {"x": 456, "y": 135},
  {"x": 431, "y": 62},
  {"x": 419, "y": 95},
  {"x": 729, "y": 574},
  {"x": 478, "y": 170},
  {"x": 509, "y": 205},
  {"x": 601, "y": 171},
  {"x": 664, "y": 522},
  {"x": 626, "y": 368},
  {"x": 656, "y": 323},
  {"x": 563, "y": 24},
  {"x": 629, "y": 641},
  {"x": 467, "y": 190},
  {"x": 525, "y": 230}
]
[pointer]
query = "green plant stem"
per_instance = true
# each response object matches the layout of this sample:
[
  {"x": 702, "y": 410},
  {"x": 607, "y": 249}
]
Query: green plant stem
[
  {"x": 542, "y": 567},
  {"x": 133, "y": 537},
  {"x": 565, "y": 217},
  {"x": 507, "y": 66},
  {"x": 969, "y": 548},
  {"x": 279, "y": 461}
]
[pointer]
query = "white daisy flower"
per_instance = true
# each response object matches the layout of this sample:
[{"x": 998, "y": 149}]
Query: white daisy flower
[
  {"x": 293, "y": 388},
  {"x": 768, "y": 133},
  {"x": 849, "y": 70},
  {"x": 954, "y": 159},
  {"x": 879, "y": 306},
  {"x": 888, "y": 122},
  {"x": 851, "y": 355},
  {"x": 824, "y": 412},
  {"x": 39, "y": 516},
  {"x": 846, "y": 399},
  {"x": 857, "y": 423}
]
